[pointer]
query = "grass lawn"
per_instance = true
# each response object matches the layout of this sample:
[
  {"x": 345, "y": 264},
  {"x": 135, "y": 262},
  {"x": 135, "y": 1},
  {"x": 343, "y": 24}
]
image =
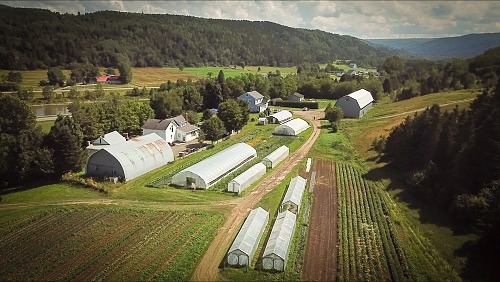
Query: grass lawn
[
  {"x": 156, "y": 76},
  {"x": 202, "y": 72},
  {"x": 46, "y": 125},
  {"x": 265, "y": 69},
  {"x": 31, "y": 78}
]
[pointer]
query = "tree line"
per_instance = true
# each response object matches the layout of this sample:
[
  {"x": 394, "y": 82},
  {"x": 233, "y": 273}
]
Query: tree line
[{"x": 107, "y": 38}]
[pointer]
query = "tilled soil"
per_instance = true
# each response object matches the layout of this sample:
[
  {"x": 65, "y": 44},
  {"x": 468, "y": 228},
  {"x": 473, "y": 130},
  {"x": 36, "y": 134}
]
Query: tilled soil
[
  {"x": 208, "y": 268},
  {"x": 321, "y": 252}
]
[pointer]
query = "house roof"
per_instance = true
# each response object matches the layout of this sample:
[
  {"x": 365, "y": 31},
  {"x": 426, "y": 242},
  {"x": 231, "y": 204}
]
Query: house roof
[
  {"x": 277, "y": 99},
  {"x": 362, "y": 96},
  {"x": 255, "y": 94},
  {"x": 104, "y": 78},
  {"x": 297, "y": 95},
  {"x": 162, "y": 124},
  {"x": 110, "y": 138},
  {"x": 188, "y": 128}
]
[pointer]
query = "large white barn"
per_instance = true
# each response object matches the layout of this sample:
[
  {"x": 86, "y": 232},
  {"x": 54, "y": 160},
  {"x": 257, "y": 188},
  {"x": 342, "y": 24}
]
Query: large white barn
[
  {"x": 207, "y": 172},
  {"x": 291, "y": 128},
  {"x": 276, "y": 156},
  {"x": 278, "y": 246},
  {"x": 130, "y": 159},
  {"x": 356, "y": 104},
  {"x": 246, "y": 242},
  {"x": 244, "y": 180},
  {"x": 293, "y": 196}
]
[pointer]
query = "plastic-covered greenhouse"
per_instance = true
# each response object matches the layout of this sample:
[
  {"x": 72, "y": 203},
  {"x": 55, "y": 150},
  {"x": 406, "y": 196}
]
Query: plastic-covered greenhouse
[
  {"x": 276, "y": 252},
  {"x": 244, "y": 180},
  {"x": 207, "y": 172},
  {"x": 246, "y": 242},
  {"x": 293, "y": 196},
  {"x": 280, "y": 117},
  {"x": 292, "y": 128},
  {"x": 130, "y": 159},
  {"x": 276, "y": 157}
]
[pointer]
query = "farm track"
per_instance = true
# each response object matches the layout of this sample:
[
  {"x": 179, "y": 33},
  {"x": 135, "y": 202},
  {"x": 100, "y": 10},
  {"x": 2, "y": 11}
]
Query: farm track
[
  {"x": 320, "y": 262},
  {"x": 207, "y": 269}
]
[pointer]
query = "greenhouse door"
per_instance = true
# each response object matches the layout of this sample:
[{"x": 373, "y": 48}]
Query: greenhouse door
[{"x": 190, "y": 181}]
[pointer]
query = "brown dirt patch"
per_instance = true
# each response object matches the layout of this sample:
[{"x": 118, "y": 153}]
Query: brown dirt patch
[{"x": 321, "y": 253}]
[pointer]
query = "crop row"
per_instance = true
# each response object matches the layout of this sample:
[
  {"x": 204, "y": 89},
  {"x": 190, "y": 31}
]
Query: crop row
[{"x": 368, "y": 247}]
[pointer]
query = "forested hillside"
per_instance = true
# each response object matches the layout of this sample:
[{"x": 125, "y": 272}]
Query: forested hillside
[{"x": 37, "y": 39}]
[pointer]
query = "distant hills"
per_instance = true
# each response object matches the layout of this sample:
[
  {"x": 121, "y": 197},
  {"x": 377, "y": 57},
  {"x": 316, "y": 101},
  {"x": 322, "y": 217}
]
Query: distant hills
[
  {"x": 37, "y": 39},
  {"x": 466, "y": 46}
]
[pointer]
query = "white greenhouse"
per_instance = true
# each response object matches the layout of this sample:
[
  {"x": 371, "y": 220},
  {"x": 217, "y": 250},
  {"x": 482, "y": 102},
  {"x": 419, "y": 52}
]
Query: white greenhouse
[
  {"x": 276, "y": 157},
  {"x": 292, "y": 128},
  {"x": 207, "y": 172},
  {"x": 244, "y": 180},
  {"x": 246, "y": 242},
  {"x": 280, "y": 117},
  {"x": 293, "y": 196},
  {"x": 276, "y": 252},
  {"x": 130, "y": 159}
]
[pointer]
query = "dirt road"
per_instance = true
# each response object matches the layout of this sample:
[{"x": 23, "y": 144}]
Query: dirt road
[
  {"x": 208, "y": 269},
  {"x": 320, "y": 262}
]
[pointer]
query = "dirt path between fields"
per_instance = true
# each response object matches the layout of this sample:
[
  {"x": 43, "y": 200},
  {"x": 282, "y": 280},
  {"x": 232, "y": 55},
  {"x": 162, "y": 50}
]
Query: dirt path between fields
[
  {"x": 208, "y": 268},
  {"x": 421, "y": 109}
]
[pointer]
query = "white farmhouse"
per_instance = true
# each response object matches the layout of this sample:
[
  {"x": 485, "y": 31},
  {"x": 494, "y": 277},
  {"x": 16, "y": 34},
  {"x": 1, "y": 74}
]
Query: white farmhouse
[{"x": 175, "y": 129}]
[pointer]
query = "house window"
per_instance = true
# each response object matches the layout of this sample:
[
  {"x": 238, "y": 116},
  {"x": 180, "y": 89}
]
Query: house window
[{"x": 172, "y": 129}]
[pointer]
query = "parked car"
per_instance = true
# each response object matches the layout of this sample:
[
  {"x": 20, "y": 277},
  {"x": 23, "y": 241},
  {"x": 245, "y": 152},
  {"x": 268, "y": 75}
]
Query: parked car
[{"x": 305, "y": 109}]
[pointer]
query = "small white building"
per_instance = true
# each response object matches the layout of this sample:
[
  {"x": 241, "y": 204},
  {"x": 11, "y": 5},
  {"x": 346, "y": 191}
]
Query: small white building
[
  {"x": 293, "y": 196},
  {"x": 291, "y": 128},
  {"x": 273, "y": 159},
  {"x": 277, "y": 248},
  {"x": 175, "y": 129},
  {"x": 280, "y": 117},
  {"x": 111, "y": 138},
  {"x": 356, "y": 104},
  {"x": 246, "y": 242},
  {"x": 262, "y": 121},
  {"x": 244, "y": 180}
]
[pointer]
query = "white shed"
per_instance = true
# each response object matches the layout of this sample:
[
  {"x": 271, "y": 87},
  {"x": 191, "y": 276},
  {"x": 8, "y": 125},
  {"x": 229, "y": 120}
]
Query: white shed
[
  {"x": 280, "y": 117},
  {"x": 207, "y": 172},
  {"x": 278, "y": 246},
  {"x": 293, "y": 196},
  {"x": 246, "y": 242},
  {"x": 292, "y": 128},
  {"x": 276, "y": 157},
  {"x": 130, "y": 159},
  {"x": 356, "y": 104},
  {"x": 244, "y": 180}
]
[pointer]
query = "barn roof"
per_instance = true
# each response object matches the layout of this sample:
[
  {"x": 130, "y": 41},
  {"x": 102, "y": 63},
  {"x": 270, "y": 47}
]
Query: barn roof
[
  {"x": 140, "y": 155},
  {"x": 362, "y": 96},
  {"x": 249, "y": 233},
  {"x": 296, "y": 94},
  {"x": 282, "y": 115},
  {"x": 110, "y": 138},
  {"x": 212, "y": 168},
  {"x": 281, "y": 235},
  {"x": 162, "y": 124},
  {"x": 295, "y": 190}
]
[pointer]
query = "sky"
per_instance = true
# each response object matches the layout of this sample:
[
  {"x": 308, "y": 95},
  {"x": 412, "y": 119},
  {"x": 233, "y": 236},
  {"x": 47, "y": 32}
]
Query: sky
[{"x": 362, "y": 19}]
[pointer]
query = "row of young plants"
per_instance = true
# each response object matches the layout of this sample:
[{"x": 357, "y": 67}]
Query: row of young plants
[{"x": 368, "y": 247}]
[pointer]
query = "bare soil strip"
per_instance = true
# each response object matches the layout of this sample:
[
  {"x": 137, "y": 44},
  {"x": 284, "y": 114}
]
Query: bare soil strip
[
  {"x": 207, "y": 269},
  {"x": 321, "y": 253}
]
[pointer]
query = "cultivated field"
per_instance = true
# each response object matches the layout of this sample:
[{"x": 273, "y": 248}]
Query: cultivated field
[
  {"x": 90, "y": 244},
  {"x": 320, "y": 263}
]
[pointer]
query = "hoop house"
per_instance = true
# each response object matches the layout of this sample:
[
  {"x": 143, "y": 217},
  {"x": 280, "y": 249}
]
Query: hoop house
[
  {"x": 280, "y": 117},
  {"x": 244, "y": 180},
  {"x": 207, "y": 172},
  {"x": 291, "y": 128},
  {"x": 276, "y": 157},
  {"x": 293, "y": 196},
  {"x": 246, "y": 242},
  {"x": 277, "y": 248}
]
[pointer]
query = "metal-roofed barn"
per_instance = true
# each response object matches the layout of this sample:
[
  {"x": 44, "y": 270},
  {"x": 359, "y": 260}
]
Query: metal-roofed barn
[
  {"x": 291, "y": 128},
  {"x": 356, "y": 104},
  {"x": 280, "y": 117},
  {"x": 108, "y": 139},
  {"x": 207, "y": 172},
  {"x": 130, "y": 159},
  {"x": 244, "y": 180},
  {"x": 293, "y": 196},
  {"x": 278, "y": 246},
  {"x": 246, "y": 242},
  {"x": 276, "y": 157}
]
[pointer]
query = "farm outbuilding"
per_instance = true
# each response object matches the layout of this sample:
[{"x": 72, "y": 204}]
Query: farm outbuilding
[
  {"x": 244, "y": 180},
  {"x": 356, "y": 104},
  {"x": 130, "y": 159},
  {"x": 276, "y": 252},
  {"x": 207, "y": 172},
  {"x": 293, "y": 196},
  {"x": 292, "y": 128},
  {"x": 246, "y": 242},
  {"x": 280, "y": 117},
  {"x": 276, "y": 157}
]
